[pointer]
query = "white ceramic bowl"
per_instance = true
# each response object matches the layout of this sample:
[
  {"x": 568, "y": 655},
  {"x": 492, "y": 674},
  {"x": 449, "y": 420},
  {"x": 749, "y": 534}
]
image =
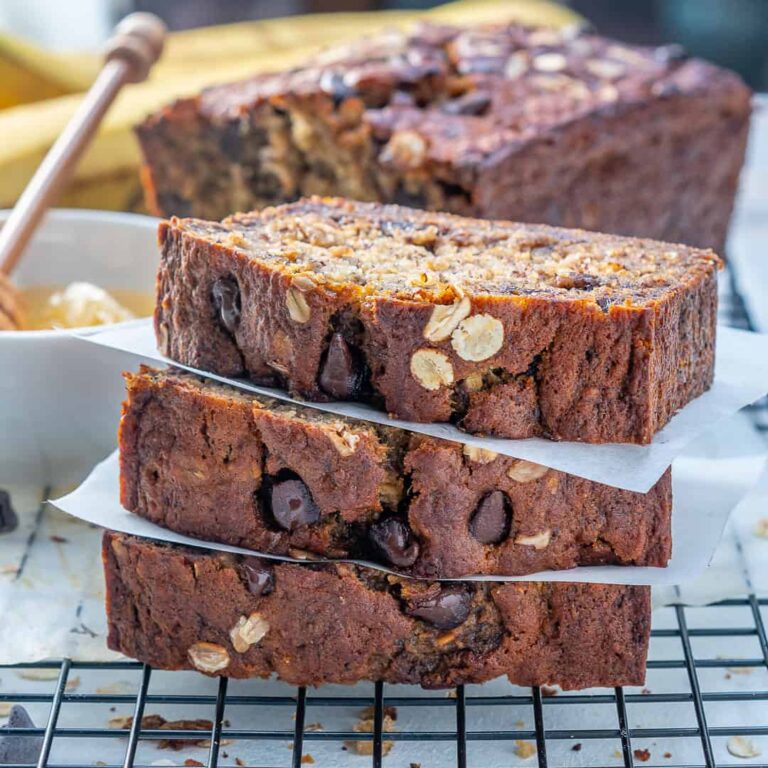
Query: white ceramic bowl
[{"x": 60, "y": 396}]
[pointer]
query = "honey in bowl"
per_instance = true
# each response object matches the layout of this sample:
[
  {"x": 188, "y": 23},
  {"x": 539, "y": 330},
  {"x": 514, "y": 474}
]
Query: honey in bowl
[{"x": 81, "y": 304}]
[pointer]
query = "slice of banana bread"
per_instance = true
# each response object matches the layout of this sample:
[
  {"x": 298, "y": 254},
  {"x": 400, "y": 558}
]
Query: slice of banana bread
[
  {"x": 180, "y": 608},
  {"x": 500, "y": 122},
  {"x": 505, "y": 329},
  {"x": 217, "y": 463}
]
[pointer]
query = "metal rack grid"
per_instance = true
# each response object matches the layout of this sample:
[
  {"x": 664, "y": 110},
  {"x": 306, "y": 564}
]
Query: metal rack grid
[
  {"x": 550, "y": 718},
  {"x": 539, "y": 702}
]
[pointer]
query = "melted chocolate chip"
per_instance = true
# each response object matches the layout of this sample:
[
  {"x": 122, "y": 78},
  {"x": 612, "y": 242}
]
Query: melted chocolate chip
[
  {"x": 292, "y": 504},
  {"x": 258, "y": 576},
  {"x": 393, "y": 541},
  {"x": 8, "y": 520},
  {"x": 445, "y": 610},
  {"x": 342, "y": 372},
  {"x": 490, "y": 522},
  {"x": 226, "y": 300},
  {"x": 474, "y": 103}
]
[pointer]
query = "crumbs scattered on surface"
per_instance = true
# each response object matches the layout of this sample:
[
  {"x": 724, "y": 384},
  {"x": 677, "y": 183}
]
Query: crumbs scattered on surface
[
  {"x": 667, "y": 755},
  {"x": 741, "y": 746},
  {"x": 307, "y": 759},
  {"x": 761, "y": 528},
  {"x": 194, "y": 763},
  {"x": 120, "y": 686},
  {"x": 313, "y": 727},
  {"x": 365, "y": 725},
  {"x": 38, "y": 674},
  {"x": 645, "y": 691},
  {"x": 72, "y": 684},
  {"x": 549, "y": 690},
  {"x": 576, "y": 747},
  {"x": 643, "y": 755},
  {"x": 524, "y": 749},
  {"x": 741, "y": 670},
  {"x": 58, "y": 539},
  {"x": 158, "y": 722},
  {"x": 5, "y": 708}
]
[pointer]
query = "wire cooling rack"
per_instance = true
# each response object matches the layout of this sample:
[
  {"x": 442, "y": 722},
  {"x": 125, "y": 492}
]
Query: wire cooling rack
[{"x": 705, "y": 704}]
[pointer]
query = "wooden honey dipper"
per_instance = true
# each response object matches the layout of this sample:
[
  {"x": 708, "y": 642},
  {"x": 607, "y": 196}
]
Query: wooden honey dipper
[{"x": 135, "y": 45}]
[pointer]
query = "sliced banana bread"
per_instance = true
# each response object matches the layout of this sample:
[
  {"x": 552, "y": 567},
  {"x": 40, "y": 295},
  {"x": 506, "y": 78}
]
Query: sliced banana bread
[
  {"x": 505, "y": 329},
  {"x": 180, "y": 608},
  {"x": 217, "y": 463}
]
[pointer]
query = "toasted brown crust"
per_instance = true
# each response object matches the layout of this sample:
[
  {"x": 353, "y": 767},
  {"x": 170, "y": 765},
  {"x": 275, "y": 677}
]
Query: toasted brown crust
[
  {"x": 196, "y": 457},
  {"x": 342, "y": 624},
  {"x": 565, "y": 128},
  {"x": 592, "y": 338}
]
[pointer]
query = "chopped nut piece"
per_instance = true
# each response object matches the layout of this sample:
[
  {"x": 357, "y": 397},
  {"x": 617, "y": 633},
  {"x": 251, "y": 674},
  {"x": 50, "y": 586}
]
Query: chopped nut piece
[
  {"x": 406, "y": 150},
  {"x": 479, "y": 455},
  {"x": 741, "y": 746},
  {"x": 432, "y": 369},
  {"x": 524, "y": 749},
  {"x": 303, "y": 282},
  {"x": 298, "y": 309},
  {"x": 537, "y": 541},
  {"x": 609, "y": 70},
  {"x": 208, "y": 657},
  {"x": 247, "y": 632},
  {"x": 445, "y": 318},
  {"x": 517, "y": 65},
  {"x": 525, "y": 471},
  {"x": 343, "y": 441},
  {"x": 643, "y": 755},
  {"x": 473, "y": 382},
  {"x": 478, "y": 337},
  {"x": 307, "y": 759},
  {"x": 550, "y": 62}
]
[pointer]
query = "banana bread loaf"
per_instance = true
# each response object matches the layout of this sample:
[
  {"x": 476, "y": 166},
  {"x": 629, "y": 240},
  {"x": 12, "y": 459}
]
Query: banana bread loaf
[
  {"x": 180, "y": 608},
  {"x": 505, "y": 329},
  {"x": 502, "y": 122},
  {"x": 214, "y": 462}
]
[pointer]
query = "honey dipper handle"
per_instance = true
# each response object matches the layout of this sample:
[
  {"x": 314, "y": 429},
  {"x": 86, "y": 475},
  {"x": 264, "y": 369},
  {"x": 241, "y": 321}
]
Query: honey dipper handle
[{"x": 135, "y": 46}]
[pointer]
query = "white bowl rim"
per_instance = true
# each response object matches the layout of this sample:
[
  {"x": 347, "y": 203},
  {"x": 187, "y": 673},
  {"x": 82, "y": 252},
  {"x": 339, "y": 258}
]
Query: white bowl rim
[{"x": 139, "y": 220}]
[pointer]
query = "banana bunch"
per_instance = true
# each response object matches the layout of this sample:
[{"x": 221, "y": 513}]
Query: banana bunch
[{"x": 39, "y": 90}]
